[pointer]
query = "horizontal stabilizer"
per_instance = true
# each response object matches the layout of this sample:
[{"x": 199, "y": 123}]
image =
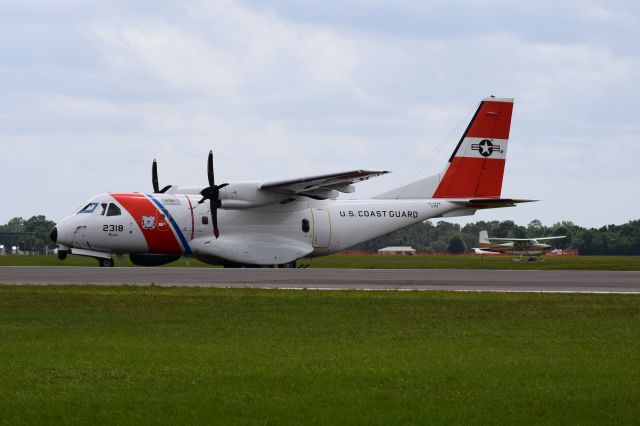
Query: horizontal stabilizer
[
  {"x": 477, "y": 250},
  {"x": 489, "y": 203}
]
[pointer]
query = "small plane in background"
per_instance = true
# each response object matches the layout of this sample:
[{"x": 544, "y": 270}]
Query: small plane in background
[
  {"x": 278, "y": 222},
  {"x": 530, "y": 247}
]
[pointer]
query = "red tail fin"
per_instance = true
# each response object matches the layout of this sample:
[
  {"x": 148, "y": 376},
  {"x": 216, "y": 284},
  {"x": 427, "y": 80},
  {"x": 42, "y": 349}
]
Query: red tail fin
[{"x": 476, "y": 166}]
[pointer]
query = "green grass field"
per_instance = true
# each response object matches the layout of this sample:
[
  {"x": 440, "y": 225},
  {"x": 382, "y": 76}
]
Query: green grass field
[
  {"x": 124, "y": 355},
  {"x": 620, "y": 263}
]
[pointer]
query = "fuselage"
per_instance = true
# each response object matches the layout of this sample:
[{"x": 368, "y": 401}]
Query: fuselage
[
  {"x": 175, "y": 224},
  {"x": 530, "y": 249}
]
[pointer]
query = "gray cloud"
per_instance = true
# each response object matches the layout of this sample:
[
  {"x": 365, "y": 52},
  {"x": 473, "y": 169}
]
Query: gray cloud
[{"x": 93, "y": 92}]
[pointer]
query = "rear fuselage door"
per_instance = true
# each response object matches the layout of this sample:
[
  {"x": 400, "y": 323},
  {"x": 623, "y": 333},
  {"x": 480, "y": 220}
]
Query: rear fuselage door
[{"x": 321, "y": 227}]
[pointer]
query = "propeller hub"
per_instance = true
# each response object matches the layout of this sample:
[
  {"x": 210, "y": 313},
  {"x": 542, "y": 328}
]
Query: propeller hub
[{"x": 210, "y": 193}]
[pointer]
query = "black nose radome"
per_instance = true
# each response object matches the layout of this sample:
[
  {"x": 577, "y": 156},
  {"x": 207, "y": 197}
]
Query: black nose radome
[{"x": 54, "y": 235}]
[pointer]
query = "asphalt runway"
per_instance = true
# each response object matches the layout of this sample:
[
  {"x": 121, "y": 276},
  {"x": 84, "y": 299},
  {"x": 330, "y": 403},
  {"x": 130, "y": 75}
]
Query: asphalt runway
[{"x": 364, "y": 279}]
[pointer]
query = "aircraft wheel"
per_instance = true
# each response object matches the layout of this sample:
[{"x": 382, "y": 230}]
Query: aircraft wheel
[
  {"x": 288, "y": 265},
  {"x": 62, "y": 254},
  {"x": 105, "y": 263}
]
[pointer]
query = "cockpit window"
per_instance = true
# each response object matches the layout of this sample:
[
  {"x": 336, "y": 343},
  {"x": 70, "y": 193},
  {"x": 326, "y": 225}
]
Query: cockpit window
[
  {"x": 103, "y": 206},
  {"x": 113, "y": 210},
  {"x": 89, "y": 208}
]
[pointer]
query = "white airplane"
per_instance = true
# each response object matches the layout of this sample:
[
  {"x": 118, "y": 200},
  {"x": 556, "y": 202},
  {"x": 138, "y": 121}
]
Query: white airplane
[
  {"x": 531, "y": 247},
  {"x": 279, "y": 222}
]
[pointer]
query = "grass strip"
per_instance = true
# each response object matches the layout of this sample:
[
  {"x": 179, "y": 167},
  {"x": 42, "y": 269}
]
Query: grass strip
[{"x": 150, "y": 355}]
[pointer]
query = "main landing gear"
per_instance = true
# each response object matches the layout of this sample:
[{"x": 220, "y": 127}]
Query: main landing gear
[{"x": 105, "y": 263}]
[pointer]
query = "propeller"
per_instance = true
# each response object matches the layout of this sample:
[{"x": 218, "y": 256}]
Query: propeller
[
  {"x": 154, "y": 179},
  {"x": 212, "y": 193}
]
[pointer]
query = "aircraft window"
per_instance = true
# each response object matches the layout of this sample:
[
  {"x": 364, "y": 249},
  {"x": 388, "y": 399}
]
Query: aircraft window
[
  {"x": 113, "y": 210},
  {"x": 305, "y": 225},
  {"x": 89, "y": 208},
  {"x": 104, "y": 208},
  {"x": 205, "y": 220}
]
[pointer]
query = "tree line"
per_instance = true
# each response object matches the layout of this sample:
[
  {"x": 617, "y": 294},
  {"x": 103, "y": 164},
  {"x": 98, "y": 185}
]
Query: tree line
[
  {"x": 444, "y": 237},
  {"x": 30, "y": 235},
  {"x": 425, "y": 237}
]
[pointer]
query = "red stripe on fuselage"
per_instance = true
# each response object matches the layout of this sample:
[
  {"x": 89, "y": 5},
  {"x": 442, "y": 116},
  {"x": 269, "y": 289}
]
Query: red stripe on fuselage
[
  {"x": 468, "y": 177},
  {"x": 158, "y": 240},
  {"x": 493, "y": 121},
  {"x": 193, "y": 221}
]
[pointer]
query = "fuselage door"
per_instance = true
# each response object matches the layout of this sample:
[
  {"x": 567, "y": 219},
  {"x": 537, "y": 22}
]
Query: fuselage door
[{"x": 321, "y": 227}]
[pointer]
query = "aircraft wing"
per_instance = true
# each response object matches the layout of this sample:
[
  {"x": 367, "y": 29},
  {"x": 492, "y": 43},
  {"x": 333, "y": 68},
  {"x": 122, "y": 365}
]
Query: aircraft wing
[
  {"x": 533, "y": 240},
  {"x": 551, "y": 238},
  {"x": 321, "y": 186},
  {"x": 512, "y": 239}
]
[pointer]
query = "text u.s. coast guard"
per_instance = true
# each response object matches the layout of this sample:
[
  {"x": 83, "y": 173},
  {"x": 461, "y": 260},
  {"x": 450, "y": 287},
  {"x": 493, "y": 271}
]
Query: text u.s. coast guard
[{"x": 379, "y": 213}]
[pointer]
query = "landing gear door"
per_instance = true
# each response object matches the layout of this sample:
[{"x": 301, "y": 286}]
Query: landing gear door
[{"x": 321, "y": 227}]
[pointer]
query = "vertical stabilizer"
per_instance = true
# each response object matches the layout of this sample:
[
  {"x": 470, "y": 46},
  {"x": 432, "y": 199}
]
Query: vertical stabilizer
[
  {"x": 476, "y": 167},
  {"x": 484, "y": 239}
]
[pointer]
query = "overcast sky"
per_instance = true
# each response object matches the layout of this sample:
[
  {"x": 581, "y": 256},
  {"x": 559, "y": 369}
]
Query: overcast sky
[{"x": 92, "y": 91}]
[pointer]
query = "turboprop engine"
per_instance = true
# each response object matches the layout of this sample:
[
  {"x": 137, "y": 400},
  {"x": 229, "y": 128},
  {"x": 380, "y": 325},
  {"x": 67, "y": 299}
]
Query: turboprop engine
[{"x": 246, "y": 195}]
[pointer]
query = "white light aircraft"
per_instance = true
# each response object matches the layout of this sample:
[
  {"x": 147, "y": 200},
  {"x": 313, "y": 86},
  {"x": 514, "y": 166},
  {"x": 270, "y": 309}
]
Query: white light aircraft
[
  {"x": 531, "y": 247},
  {"x": 278, "y": 222}
]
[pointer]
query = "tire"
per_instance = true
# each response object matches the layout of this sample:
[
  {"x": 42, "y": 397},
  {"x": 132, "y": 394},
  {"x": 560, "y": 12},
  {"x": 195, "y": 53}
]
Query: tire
[{"x": 105, "y": 263}]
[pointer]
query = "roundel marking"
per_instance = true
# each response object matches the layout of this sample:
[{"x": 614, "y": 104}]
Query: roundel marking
[{"x": 485, "y": 147}]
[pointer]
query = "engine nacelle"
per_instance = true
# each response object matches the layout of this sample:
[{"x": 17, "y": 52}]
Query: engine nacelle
[
  {"x": 152, "y": 259},
  {"x": 245, "y": 195},
  {"x": 237, "y": 196}
]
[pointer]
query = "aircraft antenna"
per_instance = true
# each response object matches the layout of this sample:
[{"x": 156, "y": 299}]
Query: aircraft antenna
[{"x": 419, "y": 169}]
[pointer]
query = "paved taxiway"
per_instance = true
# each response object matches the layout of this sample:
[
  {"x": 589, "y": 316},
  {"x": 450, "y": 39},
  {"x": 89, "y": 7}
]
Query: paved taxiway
[{"x": 377, "y": 279}]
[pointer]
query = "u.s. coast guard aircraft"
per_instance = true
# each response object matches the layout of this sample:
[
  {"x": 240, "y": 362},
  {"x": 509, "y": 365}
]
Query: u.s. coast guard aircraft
[{"x": 279, "y": 222}]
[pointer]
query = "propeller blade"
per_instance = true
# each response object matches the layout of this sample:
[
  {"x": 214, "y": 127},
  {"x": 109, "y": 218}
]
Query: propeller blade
[
  {"x": 212, "y": 193},
  {"x": 214, "y": 218},
  {"x": 154, "y": 176},
  {"x": 212, "y": 182},
  {"x": 154, "y": 179}
]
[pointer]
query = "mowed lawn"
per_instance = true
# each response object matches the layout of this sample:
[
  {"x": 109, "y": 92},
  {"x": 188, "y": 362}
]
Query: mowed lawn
[{"x": 150, "y": 355}]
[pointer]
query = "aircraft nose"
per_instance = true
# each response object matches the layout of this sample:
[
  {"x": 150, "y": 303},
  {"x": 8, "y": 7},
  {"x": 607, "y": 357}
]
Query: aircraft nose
[{"x": 54, "y": 234}]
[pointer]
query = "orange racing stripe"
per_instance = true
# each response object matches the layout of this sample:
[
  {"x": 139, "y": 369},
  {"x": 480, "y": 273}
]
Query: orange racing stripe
[{"x": 158, "y": 241}]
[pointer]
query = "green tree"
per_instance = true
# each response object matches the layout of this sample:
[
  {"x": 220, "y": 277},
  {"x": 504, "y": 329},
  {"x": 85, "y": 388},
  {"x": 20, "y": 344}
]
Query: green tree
[
  {"x": 39, "y": 241},
  {"x": 41, "y": 228},
  {"x": 456, "y": 245},
  {"x": 518, "y": 232}
]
